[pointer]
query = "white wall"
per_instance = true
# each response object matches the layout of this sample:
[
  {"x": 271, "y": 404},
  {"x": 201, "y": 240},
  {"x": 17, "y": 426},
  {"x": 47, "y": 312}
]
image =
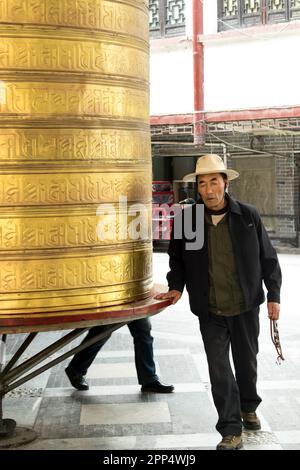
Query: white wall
[
  {"x": 171, "y": 79},
  {"x": 210, "y": 14},
  {"x": 189, "y": 18},
  {"x": 243, "y": 69},
  {"x": 171, "y": 72},
  {"x": 252, "y": 73}
]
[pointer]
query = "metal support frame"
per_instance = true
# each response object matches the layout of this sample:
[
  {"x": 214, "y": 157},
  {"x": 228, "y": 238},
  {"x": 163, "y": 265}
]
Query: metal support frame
[{"x": 10, "y": 435}]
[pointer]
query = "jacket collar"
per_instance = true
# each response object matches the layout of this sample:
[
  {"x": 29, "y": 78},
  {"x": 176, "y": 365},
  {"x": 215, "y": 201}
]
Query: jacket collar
[{"x": 234, "y": 206}]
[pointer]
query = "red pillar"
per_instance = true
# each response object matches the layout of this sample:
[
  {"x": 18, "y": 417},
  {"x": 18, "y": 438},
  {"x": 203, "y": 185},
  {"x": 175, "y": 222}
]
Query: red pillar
[{"x": 198, "y": 64}]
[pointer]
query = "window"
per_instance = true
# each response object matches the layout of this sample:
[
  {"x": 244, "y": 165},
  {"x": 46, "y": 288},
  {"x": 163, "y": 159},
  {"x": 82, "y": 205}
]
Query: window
[
  {"x": 243, "y": 13},
  {"x": 166, "y": 18}
]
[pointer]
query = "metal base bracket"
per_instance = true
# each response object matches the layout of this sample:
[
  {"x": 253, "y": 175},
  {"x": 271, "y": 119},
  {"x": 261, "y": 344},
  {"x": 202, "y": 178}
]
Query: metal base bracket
[
  {"x": 7, "y": 427},
  {"x": 19, "y": 437},
  {"x": 13, "y": 375}
]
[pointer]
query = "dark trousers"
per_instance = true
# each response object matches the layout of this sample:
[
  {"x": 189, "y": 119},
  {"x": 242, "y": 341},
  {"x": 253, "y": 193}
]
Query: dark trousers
[
  {"x": 143, "y": 351},
  {"x": 232, "y": 393}
]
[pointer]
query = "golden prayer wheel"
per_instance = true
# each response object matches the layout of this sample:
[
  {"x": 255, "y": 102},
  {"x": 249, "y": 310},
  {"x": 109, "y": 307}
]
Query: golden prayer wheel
[{"x": 74, "y": 155}]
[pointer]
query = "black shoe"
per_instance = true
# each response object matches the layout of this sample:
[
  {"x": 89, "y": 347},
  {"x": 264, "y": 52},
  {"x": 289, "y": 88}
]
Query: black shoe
[
  {"x": 77, "y": 380},
  {"x": 157, "y": 387}
]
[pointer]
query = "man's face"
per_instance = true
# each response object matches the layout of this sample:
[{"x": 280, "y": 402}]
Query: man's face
[{"x": 212, "y": 190}]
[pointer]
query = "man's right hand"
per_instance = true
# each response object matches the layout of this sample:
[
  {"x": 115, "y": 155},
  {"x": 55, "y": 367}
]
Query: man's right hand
[{"x": 174, "y": 295}]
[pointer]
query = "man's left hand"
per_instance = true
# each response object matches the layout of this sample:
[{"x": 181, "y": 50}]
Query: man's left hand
[{"x": 273, "y": 310}]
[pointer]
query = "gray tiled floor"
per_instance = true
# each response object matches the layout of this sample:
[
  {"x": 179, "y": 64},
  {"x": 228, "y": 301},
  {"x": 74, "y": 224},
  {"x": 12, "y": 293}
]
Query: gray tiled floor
[{"x": 99, "y": 419}]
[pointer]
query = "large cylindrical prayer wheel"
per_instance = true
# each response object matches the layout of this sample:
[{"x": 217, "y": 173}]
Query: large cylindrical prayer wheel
[{"x": 74, "y": 155}]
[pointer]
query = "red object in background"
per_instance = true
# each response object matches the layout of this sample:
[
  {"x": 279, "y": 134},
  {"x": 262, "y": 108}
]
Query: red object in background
[{"x": 162, "y": 200}]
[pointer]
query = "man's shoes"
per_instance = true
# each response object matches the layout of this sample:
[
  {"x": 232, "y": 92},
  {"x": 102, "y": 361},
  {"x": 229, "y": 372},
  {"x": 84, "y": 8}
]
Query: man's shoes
[
  {"x": 77, "y": 380},
  {"x": 157, "y": 387},
  {"x": 251, "y": 421},
  {"x": 230, "y": 443}
]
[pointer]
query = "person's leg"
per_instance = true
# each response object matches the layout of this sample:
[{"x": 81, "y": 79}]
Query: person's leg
[
  {"x": 82, "y": 360},
  {"x": 244, "y": 344},
  {"x": 143, "y": 350},
  {"x": 216, "y": 338},
  {"x": 144, "y": 361}
]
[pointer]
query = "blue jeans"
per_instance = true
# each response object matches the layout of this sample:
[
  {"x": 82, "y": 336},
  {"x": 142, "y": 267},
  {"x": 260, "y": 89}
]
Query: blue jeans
[{"x": 143, "y": 351}]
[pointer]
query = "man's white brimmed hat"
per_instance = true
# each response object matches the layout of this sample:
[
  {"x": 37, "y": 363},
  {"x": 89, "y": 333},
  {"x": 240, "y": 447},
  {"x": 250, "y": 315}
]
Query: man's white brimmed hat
[{"x": 208, "y": 164}]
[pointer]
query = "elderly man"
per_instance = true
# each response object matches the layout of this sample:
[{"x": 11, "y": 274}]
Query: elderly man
[{"x": 224, "y": 278}]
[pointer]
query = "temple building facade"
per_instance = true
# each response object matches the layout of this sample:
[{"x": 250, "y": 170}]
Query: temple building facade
[{"x": 223, "y": 79}]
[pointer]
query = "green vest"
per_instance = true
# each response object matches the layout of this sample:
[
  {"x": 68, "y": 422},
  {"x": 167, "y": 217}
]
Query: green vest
[{"x": 225, "y": 293}]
